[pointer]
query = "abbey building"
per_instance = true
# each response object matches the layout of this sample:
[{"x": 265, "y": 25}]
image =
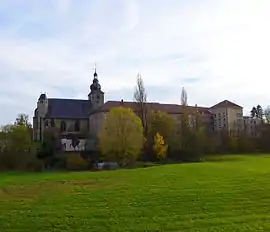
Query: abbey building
[{"x": 83, "y": 117}]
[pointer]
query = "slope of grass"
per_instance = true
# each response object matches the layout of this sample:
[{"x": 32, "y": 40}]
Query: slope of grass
[{"x": 228, "y": 194}]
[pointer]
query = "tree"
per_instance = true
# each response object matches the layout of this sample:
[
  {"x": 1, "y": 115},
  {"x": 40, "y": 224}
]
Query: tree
[
  {"x": 140, "y": 97},
  {"x": 253, "y": 112},
  {"x": 23, "y": 120},
  {"x": 267, "y": 114},
  {"x": 184, "y": 124},
  {"x": 121, "y": 137},
  {"x": 184, "y": 97},
  {"x": 15, "y": 146},
  {"x": 49, "y": 147},
  {"x": 160, "y": 122},
  {"x": 196, "y": 143},
  {"x": 259, "y": 112},
  {"x": 160, "y": 147},
  {"x": 18, "y": 138}
]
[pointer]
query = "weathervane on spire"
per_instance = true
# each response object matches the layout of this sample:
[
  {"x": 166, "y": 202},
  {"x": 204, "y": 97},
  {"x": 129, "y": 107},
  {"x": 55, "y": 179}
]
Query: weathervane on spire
[{"x": 95, "y": 68}]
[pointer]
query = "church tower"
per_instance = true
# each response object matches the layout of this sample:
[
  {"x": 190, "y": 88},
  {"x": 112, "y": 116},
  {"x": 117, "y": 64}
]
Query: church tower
[
  {"x": 39, "y": 116},
  {"x": 96, "y": 96}
]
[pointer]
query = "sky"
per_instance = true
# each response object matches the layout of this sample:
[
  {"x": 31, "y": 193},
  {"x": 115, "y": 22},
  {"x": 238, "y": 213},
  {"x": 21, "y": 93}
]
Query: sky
[{"x": 216, "y": 49}]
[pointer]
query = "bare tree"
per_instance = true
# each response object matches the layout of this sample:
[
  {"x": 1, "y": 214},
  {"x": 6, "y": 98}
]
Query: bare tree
[
  {"x": 185, "y": 123},
  {"x": 184, "y": 97},
  {"x": 140, "y": 97},
  {"x": 267, "y": 114}
]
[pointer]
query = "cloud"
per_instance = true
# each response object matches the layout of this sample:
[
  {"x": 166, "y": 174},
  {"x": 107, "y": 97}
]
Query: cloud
[{"x": 217, "y": 49}]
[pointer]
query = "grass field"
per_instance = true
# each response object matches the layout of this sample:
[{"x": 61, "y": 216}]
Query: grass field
[{"x": 228, "y": 194}]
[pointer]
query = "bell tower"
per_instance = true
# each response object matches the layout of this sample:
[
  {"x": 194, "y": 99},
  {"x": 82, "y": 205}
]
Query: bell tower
[{"x": 96, "y": 95}]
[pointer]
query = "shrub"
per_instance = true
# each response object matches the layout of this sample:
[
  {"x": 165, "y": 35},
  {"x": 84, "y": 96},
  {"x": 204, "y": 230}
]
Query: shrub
[
  {"x": 24, "y": 161},
  {"x": 74, "y": 161},
  {"x": 160, "y": 147}
]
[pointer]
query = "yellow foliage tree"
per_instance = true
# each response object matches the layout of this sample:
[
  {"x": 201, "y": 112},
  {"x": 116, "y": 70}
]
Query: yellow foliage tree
[
  {"x": 160, "y": 147},
  {"x": 160, "y": 122},
  {"x": 121, "y": 136}
]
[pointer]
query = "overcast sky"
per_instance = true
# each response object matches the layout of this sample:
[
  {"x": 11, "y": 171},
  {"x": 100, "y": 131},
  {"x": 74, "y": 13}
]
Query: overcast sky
[{"x": 217, "y": 49}]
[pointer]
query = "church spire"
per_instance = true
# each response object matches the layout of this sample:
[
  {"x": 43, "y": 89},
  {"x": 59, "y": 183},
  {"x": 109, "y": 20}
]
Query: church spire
[
  {"x": 95, "y": 73},
  {"x": 96, "y": 96}
]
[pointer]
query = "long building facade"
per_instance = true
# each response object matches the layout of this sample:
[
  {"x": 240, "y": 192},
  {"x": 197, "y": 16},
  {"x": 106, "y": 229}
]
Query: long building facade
[{"x": 84, "y": 117}]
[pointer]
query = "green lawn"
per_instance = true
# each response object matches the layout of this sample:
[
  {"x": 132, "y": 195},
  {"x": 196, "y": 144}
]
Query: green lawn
[{"x": 229, "y": 194}]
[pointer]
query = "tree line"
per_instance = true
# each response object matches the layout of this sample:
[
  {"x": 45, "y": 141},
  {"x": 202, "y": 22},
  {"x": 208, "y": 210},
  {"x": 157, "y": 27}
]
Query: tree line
[
  {"x": 149, "y": 135},
  {"x": 128, "y": 135}
]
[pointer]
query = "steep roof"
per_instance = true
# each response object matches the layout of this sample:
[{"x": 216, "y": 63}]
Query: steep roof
[
  {"x": 226, "y": 104},
  {"x": 42, "y": 97},
  {"x": 74, "y": 108},
  {"x": 168, "y": 108},
  {"x": 68, "y": 108}
]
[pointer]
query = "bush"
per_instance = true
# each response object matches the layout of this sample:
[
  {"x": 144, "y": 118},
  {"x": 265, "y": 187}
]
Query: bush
[
  {"x": 76, "y": 162},
  {"x": 25, "y": 162},
  {"x": 143, "y": 164},
  {"x": 35, "y": 166},
  {"x": 160, "y": 147}
]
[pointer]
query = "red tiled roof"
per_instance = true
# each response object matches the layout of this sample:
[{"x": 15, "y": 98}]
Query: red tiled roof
[
  {"x": 168, "y": 108},
  {"x": 226, "y": 104}
]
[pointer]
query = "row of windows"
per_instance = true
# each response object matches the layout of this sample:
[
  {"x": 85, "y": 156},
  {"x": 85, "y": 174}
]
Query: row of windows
[
  {"x": 63, "y": 125},
  {"x": 219, "y": 115},
  {"x": 251, "y": 122}
]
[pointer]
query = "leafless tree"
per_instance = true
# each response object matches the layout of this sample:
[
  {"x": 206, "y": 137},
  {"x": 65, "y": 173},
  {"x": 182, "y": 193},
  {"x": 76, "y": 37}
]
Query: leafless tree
[
  {"x": 140, "y": 97},
  {"x": 185, "y": 123},
  {"x": 184, "y": 97}
]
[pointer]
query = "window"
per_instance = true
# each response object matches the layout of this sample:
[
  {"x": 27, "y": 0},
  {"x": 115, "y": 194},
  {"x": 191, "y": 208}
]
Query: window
[
  {"x": 52, "y": 122},
  {"x": 63, "y": 126},
  {"x": 46, "y": 123},
  {"x": 98, "y": 97},
  {"x": 77, "y": 126}
]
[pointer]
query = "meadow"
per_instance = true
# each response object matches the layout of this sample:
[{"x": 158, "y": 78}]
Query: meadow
[{"x": 226, "y": 193}]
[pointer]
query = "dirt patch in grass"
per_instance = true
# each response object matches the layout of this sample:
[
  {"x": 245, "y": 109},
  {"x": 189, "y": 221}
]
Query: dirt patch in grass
[
  {"x": 39, "y": 189},
  {"x": 224, "y": 158},
  {"x": 29, "y": 191}
]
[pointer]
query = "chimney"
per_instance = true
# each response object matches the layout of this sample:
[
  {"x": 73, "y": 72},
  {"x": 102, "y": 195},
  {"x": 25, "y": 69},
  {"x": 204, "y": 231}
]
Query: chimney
[{"x": 122, "y": 102}]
